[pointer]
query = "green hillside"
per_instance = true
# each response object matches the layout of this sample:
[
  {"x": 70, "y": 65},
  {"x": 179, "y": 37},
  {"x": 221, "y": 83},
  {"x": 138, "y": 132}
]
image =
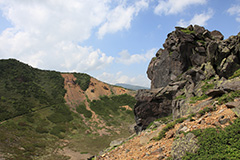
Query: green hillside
[
  {"x": 35, "y": 121},
  {"x": 24, "y": 89}
]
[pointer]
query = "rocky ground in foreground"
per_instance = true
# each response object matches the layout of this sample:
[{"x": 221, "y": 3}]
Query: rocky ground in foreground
[{"x": 143, "y": 146}]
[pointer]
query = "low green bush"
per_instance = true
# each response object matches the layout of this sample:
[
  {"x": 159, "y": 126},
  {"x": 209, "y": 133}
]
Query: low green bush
[
  {"x": 111, "y": 105},
  {"x": 58, "y": 131},
  {"x": 41, "y": 129},
  {"x": 207, "y": 86},
  {"x": 82, "y": 110},
  {"x": 83, "y": 80},
  {"x": 169, "y": 126},
  {"x": 198, "y": 98},
  {"x": 217, "y": 143},
  {"x": 228, "y": 97},
  {"x": 61, "y": 114}
]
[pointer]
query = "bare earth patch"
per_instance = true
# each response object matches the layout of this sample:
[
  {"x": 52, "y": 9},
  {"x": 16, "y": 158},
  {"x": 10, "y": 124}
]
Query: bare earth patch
[
  {"x": 142, "y": 147},
  {"x": 126, "y": 107}
]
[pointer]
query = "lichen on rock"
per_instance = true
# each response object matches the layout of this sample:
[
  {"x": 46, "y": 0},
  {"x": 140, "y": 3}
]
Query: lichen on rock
[{"x": 183, "y": 145}]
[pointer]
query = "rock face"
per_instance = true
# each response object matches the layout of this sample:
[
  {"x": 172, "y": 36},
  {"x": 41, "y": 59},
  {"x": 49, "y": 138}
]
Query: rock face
[{"x": 190, "y": 56}]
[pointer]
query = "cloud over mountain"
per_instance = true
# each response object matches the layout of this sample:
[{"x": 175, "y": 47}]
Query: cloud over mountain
[
  {"x": 168, "y": 7},
  {"x": 48, "y": 33},
  {"x": 235, "y": 10},
  {"x": 199, "y": 19},
  {"x": 127, "y": 58}
]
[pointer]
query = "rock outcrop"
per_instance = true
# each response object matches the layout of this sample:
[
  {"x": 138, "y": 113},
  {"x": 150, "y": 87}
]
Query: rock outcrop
[{"x": 193, "y": 61}]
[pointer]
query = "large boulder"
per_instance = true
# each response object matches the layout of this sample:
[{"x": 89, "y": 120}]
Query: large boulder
[
  {"x": 150, "y": 107},
  {"x": 183, "y": 145}
]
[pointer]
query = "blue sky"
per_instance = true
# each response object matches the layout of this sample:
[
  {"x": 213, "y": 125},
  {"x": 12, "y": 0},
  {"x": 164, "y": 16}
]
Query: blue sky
[{"x": 112, "y": 40}]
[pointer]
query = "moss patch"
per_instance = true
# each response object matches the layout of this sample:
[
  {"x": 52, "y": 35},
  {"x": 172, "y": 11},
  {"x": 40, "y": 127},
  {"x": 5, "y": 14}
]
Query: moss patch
[{"x": 235, "y": 74}]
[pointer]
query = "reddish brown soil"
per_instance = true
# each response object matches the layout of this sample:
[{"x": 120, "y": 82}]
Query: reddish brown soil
[
  {"x": 142, "y": 147},
  {"x": 75, "y": 96}
]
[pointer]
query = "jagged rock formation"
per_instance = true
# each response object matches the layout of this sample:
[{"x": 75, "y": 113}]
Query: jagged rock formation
[{"x": 192, "y": 58}]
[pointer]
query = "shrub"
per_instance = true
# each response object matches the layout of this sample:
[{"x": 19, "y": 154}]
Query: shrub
[
  {"x": 169, "y": 126},
  {"x": 83, "y": 80},
  {"x": 218, "y": 143},
  {"x": 198, "y": 98},
  {"x": 180, "y": 120},
  {"x": 41, "y": 129},
  {"x": 111, "y": 105},
  {"x": 228, "y": 97},
  {"x": 107, "y": 106},
  {"x": 82, "y": 110},
  {"x": 61, "y": 114},
  {"x": 207, "y": 86},
  {"x": 58, "y": 131}
]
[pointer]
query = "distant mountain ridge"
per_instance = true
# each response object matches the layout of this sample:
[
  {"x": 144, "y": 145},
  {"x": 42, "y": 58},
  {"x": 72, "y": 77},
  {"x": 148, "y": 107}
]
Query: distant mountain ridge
[{"x": 132, "y": 87}]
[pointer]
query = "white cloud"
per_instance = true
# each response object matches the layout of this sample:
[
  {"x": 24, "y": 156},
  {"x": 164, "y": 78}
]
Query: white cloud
[
  {"x": 62, "y": 55},
  {"x": 199, "y": 19},
  {"x": 235, "y": 10},
  {"x": 47, "y": 34},
  {"x": 120, "y": 17},
  {"x": 175, "y": 6},
  {"x": 119, "y": 77},
  {"x": 128, "y": 59},
  {"x": 68, "y": 20}
]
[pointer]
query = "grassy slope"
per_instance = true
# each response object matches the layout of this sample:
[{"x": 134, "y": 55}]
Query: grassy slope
[
  {"x": 24, "y": 89},
  {"x": 34, "y": 117}
]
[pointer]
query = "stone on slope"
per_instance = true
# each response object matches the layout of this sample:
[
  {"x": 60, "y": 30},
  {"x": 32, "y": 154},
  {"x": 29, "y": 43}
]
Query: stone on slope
[{"x": 183, "y": 145}]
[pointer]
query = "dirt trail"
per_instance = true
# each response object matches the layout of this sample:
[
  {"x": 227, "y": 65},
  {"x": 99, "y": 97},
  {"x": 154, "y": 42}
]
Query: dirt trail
[{"x": 140, "y": 147}]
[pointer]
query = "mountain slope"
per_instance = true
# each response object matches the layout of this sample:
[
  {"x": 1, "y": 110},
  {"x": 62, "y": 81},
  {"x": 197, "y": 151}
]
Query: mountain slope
[
  {"x": 53, "y": 115},
  {"x": 24, "y": 89}
]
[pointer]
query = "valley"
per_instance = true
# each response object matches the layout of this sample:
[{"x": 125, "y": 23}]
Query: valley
[{"x": 53, "y": 115}]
